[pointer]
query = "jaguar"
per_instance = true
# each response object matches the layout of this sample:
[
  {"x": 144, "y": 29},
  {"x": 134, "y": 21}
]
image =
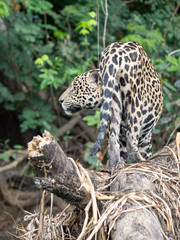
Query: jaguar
[{"x": 128, "y": 92}]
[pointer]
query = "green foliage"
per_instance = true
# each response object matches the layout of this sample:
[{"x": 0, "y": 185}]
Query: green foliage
[
  {"x": 168, "y": 71},
  {"x": 25, "y": 34},
  {"x": 11, "y": 101},
  {"x": 93, "y": 119},
  {"x": 175, "y": 63},
  {"x": 45, "y": 44},
  {"x": 40, "y": 115},
  {"x": 91, "y": 160},
  {"x": 30, "y": 174},
  {"x": 18, "y": 147},
  {"x": 78, "y": 10},
  {"x": 60, "y": 34},
  {"x": 49, "y": 71},
  {"x": 169, "y": 85},
  {"x": 67, "y": 136},
  {"x": 7, "y": 156},
  {"x": 87, "y": 27},
  {"x": 38, "y": 6},
  {"x": 138, "y": 32},
  {"x": 4, "y": 9}
]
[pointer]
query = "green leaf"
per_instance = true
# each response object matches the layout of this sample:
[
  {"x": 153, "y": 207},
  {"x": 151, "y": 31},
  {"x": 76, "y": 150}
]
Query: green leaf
[
  {"x": 4, "y": 9},
  {"x": 91, "y": 160},
  {"x": 45, "y": 57},
  {"x": 49, "y": 26},
  {"x": 20, "y": 96},
  {"x": 30, "y": 174},
  {"x": 18, "y": 147},
  {"x": 60, "y": 34},
  {"x": 43, "y": 85},
  {"x": 133, "y": 37},
  {"x": 93, "y": 119},
  {"x": 49, "y": 62},
  {"x": 5, "y": 156},
  {"x": 39, "y": 61},
  {"x": 39, "y": 6},
  {"x": 172, "y": 60},
  {"x": 84, "y": 32},
  {"x": 169, "y": 85},
  {"x": 29, "y": 29},
  {"x": 93, "y": 22},
  {"x": 78, "y": 26},
  {"x": 173, "y": 68},
  {"x": 92, "y": 14},
  {"x": 29, "y": 38}
]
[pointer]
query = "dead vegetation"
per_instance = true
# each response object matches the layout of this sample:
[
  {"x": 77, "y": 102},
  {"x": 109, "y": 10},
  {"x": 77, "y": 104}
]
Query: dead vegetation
[{"x": 148, "y": 192}]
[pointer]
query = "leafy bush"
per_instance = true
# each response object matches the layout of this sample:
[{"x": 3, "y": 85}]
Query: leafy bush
[
  {"x": 31, "y": 45},
  {"x": 4, "y": 9},
  {"x": 22, "y": 40}
]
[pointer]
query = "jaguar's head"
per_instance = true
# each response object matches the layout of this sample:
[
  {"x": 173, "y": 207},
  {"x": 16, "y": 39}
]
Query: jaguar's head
[{"x": 83, "y": 92}]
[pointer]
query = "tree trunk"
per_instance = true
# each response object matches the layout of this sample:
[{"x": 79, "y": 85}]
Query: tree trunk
[{"x": 128, "y": 201}]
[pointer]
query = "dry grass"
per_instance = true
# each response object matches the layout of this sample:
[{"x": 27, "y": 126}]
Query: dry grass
[{"x": 165, "y": 201}]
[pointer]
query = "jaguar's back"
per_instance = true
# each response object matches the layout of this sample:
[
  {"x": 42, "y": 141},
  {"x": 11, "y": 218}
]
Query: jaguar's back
[{"x": 131, "y": 100}]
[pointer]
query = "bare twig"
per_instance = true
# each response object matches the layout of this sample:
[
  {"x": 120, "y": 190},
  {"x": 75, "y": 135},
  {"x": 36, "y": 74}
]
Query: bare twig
[
  {"x": 171, "y": 53},
  {"x": 102, "y": 7},
  {"x": 174, "y": 130},
  {"x": 167, "y": 28},
  {"x": 56, "y": 108},
  {"x": 178, "y": 145},
  {"x": 41, "y": 216},
  {"x": 98, "y": 24},
  {"x": 105, "y": 23}
]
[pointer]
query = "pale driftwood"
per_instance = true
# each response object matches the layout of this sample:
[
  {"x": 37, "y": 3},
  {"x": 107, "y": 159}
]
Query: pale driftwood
[{"x": 58, "y": 174}]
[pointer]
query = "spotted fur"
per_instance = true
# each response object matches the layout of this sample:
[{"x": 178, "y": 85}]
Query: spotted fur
[{"x": 128, "y": 91}]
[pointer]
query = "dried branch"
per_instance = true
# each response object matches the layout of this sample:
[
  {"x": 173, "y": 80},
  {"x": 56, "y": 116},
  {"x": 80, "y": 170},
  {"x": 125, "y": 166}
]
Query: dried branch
[
  {"x": 167, "y": 28},
  {"x": 105, "y": 23}
]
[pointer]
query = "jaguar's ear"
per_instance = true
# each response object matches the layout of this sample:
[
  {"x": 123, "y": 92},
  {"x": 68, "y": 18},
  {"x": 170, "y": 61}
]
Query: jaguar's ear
[{"x": 94, "y": 78}]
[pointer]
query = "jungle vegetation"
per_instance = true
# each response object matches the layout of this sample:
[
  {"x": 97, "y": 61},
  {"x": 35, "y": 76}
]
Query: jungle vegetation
[{"x": 45, "y": 44}]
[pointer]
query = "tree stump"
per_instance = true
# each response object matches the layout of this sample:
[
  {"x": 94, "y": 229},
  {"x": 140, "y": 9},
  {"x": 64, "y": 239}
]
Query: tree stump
[{"x": 140, "y": 201}]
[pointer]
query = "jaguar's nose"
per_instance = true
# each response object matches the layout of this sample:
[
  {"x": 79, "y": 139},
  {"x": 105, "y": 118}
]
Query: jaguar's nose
[{"x": 61, "y": 100}]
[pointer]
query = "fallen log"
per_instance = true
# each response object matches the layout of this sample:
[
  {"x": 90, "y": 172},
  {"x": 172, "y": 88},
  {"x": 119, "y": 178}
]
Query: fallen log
[
  {"x": 57, "y": 173},
  {"x": 140, "y": 201}
]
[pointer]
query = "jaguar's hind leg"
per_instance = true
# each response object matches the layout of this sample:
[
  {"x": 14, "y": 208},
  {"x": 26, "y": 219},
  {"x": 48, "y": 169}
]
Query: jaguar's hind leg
[
  {"x": 145, "y": 147},
  {"x": 144, "y": 143},
  {"x": 132, "y": 138},
  {"x": 123, "y": 150},
  {"x": 114, "y": 131}
]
